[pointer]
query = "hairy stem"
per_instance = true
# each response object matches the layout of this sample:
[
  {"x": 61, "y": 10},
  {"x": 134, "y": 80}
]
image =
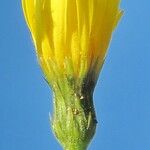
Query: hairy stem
[{"x": 74, "y": 120}]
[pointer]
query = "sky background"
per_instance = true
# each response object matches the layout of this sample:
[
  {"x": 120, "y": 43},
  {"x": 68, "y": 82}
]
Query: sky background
[{"x": 122, "y": 95}]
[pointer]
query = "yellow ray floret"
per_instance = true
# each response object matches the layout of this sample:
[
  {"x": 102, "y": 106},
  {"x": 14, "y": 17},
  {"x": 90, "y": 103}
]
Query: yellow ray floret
[{"x": 74, "y": 31}]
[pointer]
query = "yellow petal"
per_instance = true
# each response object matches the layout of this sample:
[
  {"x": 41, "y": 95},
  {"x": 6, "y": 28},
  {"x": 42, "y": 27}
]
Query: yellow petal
[{"x": 78, "y": 31}]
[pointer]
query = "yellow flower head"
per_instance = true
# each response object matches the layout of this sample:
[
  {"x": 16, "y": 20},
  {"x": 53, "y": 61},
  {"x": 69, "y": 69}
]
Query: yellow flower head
[{"x": 71, "y": 37}]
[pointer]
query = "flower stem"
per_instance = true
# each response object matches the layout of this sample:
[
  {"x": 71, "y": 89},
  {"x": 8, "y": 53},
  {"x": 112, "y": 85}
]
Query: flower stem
[
  {"x": 75, "y": 147},
  {"x": 74, "y": 120}
]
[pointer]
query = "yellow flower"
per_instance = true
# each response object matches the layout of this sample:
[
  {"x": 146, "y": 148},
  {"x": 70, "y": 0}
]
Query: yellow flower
[{"x": 71, "y": 36}]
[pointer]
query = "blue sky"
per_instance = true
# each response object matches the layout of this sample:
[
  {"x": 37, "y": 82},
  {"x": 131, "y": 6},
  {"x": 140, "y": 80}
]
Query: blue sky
[{"x": 122, "y": 95}]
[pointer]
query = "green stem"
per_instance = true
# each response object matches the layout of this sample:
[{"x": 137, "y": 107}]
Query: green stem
[
  {"x": 75, "y": 147},
  {"x": 74, "y": 120}
]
